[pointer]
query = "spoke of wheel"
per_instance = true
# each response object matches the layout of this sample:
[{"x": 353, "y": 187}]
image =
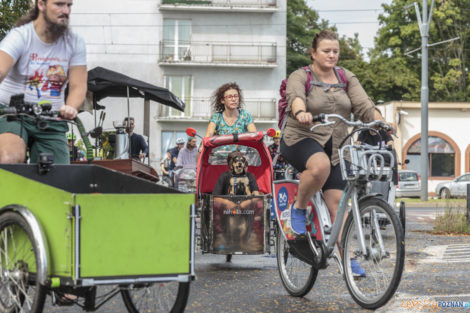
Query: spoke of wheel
[{"x": 164, "y": 292}]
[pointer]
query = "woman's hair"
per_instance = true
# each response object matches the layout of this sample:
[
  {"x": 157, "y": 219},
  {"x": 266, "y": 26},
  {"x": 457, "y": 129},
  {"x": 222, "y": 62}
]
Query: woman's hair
[
  {"x": 32, "y": 14},
  {"x": 324, "y": 34},
  {"x": 218, "y": 95}
]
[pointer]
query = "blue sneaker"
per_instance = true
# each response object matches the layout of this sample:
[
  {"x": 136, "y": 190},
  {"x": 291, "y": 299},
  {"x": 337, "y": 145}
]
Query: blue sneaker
[
  {"x": 297, "y": 220},
  {"x": 357, "y": 269}
]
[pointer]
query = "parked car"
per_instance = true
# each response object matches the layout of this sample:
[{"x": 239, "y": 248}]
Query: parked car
[
  {"x": 408, "y": 184},
  {"x": 453, "y": 188}
]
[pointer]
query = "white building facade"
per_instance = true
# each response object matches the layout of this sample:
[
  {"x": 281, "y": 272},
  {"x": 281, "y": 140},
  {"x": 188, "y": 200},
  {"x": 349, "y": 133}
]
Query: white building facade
[
  {"x": 190, "y": 47},
  {"x": 448, "y": 139}
]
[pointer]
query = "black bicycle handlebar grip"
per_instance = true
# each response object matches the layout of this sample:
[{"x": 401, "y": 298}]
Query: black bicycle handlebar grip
[
  {"x": 385, "y": 126},
  {"x": 318, "y": 118}
]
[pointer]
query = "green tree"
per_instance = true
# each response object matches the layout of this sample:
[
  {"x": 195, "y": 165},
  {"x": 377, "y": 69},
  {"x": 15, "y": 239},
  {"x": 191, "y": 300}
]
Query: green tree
[
  {"x": 10, "y": 11},
  {"x": 448, "y": 62},
  {"x": 302, "y": 25}
]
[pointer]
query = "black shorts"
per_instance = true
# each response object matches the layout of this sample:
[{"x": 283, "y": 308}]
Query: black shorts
[{"x": 298, "y": 154}]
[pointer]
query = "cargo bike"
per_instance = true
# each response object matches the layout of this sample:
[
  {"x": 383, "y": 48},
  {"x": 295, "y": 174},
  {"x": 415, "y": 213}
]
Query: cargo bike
[
  {"x": 67, "y": 229},
  {"x": 235, "y": 223}
]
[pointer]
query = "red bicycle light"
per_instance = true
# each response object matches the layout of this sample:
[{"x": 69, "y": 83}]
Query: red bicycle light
[
  {"x": 271, "y": 132},
  {"x": 191, "y": 132}
]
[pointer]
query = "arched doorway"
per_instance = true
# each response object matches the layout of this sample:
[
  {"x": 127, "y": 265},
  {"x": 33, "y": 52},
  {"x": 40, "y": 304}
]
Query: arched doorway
[
  {"x": 467, "y": 159},
  {"x": 443, "y": 158}
]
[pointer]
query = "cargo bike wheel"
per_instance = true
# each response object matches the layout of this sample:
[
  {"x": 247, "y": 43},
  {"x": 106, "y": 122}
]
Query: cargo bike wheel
[
  {"x": 158, "y": 297},
  {"x": 296, "y": 275},
  {"x": 20, "y": 291}
]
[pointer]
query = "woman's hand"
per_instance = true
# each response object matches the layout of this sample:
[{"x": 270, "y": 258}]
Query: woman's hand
[{"x": 304, "y": 118}]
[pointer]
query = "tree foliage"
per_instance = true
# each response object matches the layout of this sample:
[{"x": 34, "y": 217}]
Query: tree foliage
[
  {"x": 448, "y": 63},
  {"x": 302, "y": 25},
  {"x": 391, "y": 74},
  {"x": 10, "y": 11}
]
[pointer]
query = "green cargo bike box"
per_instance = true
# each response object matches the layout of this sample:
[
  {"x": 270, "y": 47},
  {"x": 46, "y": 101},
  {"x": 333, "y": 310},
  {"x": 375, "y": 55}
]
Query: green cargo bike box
[{"x": 100, "y": 226}]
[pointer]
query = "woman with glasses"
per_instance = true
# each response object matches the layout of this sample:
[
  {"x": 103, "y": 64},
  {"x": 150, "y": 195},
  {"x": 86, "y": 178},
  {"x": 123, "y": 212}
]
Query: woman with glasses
[{"x": 229, "y": 117}]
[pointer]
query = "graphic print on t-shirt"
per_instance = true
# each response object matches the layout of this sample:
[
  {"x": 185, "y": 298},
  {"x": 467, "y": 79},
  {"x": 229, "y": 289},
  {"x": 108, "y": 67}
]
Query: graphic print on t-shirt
[{"x": 46, "y": 77}]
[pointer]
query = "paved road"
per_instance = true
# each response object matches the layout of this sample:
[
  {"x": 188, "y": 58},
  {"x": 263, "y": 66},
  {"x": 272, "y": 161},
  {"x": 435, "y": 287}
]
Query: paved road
[{"x": 436, "y": 269}]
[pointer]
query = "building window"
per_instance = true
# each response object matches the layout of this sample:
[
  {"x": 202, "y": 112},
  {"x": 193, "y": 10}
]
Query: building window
[
  {"x": 441, "y": 157},
  {"x": 169, "y": 140},
  {"x": 181, "y": 86},
  {"x": 176, "y": 40}
]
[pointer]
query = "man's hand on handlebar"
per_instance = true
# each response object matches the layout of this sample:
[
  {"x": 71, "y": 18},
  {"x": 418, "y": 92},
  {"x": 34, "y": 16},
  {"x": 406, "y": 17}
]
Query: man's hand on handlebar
[{"x": 68, "y": 112}]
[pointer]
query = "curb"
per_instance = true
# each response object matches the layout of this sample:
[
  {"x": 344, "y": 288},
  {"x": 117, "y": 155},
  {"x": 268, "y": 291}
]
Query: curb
[{"x": 440, "y": 205}]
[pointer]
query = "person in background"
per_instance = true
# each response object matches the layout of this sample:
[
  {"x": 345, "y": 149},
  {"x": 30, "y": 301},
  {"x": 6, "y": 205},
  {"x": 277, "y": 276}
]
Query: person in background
[
  {"x": 187, "y": 160},
  {"x": 229, "y": 118},
  {"x": 187, "y": 157},
  {"x": 281, "y": 163},
  {"x": 385, "y": 139},
  {"x": 138, "y": 147},
  {"x": 74, "y": 155},
  {"x": 165, "y": 167},
  {"x": 174, "y": 153}
]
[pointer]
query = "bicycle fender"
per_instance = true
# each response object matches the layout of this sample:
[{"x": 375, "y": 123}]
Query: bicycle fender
[{"x": 371, "y": 195}]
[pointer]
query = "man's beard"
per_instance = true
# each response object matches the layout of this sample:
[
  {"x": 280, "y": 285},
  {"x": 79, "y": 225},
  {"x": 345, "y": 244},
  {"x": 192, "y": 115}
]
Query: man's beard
[{"x": 55, "y": 30}]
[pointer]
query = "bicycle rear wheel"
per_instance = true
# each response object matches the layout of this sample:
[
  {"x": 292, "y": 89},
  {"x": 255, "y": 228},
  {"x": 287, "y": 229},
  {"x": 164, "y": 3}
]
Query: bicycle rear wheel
[
  {"x": 383, "y": 267},
  {"x": 164, "y": 297},
  {"x": 297, "y": 276}
]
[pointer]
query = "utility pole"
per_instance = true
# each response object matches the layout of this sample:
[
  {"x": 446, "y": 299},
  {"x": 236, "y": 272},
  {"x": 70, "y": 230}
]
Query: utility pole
[{"x": 424, "y": 30}]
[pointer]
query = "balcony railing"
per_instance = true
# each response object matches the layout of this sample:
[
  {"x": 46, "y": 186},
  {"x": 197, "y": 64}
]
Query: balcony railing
[
  {"x": 218, "y": 54},
  {"x": 200, "y": 109},
  {"x": 246, "y": 5}
]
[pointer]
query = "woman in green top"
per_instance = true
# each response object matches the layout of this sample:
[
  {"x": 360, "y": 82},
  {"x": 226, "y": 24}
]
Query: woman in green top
[{"x": 229, "y": 117}]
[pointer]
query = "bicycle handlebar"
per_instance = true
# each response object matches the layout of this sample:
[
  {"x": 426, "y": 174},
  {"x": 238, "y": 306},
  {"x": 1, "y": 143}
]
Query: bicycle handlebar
[
  {"x": 324, "y": 119},
  {"x": 18, "y": 107}
]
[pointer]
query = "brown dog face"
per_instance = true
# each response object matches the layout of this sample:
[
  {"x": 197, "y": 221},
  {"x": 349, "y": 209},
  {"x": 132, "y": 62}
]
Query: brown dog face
[{"x": 238, "y": 165}]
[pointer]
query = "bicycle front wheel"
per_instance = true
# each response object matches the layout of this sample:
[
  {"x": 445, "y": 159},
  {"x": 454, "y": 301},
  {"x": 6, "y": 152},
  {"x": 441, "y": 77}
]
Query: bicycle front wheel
[
  {"x": 162, "y": 297},
  {"x": 297, "y": 276},
  {"x": 373, "y": 278},
  {"x": 20, "y": 291}
]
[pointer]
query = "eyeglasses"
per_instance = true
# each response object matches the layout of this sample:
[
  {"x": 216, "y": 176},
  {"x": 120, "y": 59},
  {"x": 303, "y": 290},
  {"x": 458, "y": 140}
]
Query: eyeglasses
[{"x": 230, "y": 97}]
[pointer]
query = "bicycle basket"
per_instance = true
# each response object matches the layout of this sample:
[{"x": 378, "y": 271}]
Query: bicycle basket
[{"x": 366, "y": 163}]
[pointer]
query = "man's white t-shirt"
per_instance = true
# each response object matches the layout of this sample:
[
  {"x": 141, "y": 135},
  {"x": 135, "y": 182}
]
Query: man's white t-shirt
[{"x": 41, "y": 69}]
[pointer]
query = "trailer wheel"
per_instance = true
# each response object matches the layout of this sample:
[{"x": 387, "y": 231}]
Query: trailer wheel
[
  {"x": 21, "y": 290},
  {"x": 162, "y": 297}
]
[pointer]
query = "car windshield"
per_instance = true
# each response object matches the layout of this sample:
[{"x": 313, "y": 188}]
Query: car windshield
[
  {"x": 219, "y": 155},
  {"x": 408, "y": 176}
]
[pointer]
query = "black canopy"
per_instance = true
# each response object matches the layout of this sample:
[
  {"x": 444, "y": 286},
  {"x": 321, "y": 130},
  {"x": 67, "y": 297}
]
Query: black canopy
[{"x": 106, "y": 83}]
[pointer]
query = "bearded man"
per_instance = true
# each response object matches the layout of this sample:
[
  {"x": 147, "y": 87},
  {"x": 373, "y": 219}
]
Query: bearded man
[{"x": 38, "y": 57}]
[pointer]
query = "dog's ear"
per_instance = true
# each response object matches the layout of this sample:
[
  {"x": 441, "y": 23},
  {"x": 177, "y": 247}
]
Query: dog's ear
[
  {"x": 245, "y": 162},
  {"x": 230, "y": 162}
]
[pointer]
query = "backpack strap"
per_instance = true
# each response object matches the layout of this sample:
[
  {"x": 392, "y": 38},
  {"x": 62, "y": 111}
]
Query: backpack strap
[
  {"x": 308, "y": 85},
  {"x": 339, "y": 73}
]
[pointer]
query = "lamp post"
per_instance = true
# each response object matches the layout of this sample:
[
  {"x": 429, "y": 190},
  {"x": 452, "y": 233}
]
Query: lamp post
[{"x": 424, "y": 31}]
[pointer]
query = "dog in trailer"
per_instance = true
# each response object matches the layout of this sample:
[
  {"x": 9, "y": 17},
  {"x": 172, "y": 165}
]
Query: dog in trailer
[{"x": 237, "y": 181}]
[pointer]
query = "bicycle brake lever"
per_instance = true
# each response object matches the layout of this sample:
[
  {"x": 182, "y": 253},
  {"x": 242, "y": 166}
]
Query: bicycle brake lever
[{"x": 321, "y": 124}]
